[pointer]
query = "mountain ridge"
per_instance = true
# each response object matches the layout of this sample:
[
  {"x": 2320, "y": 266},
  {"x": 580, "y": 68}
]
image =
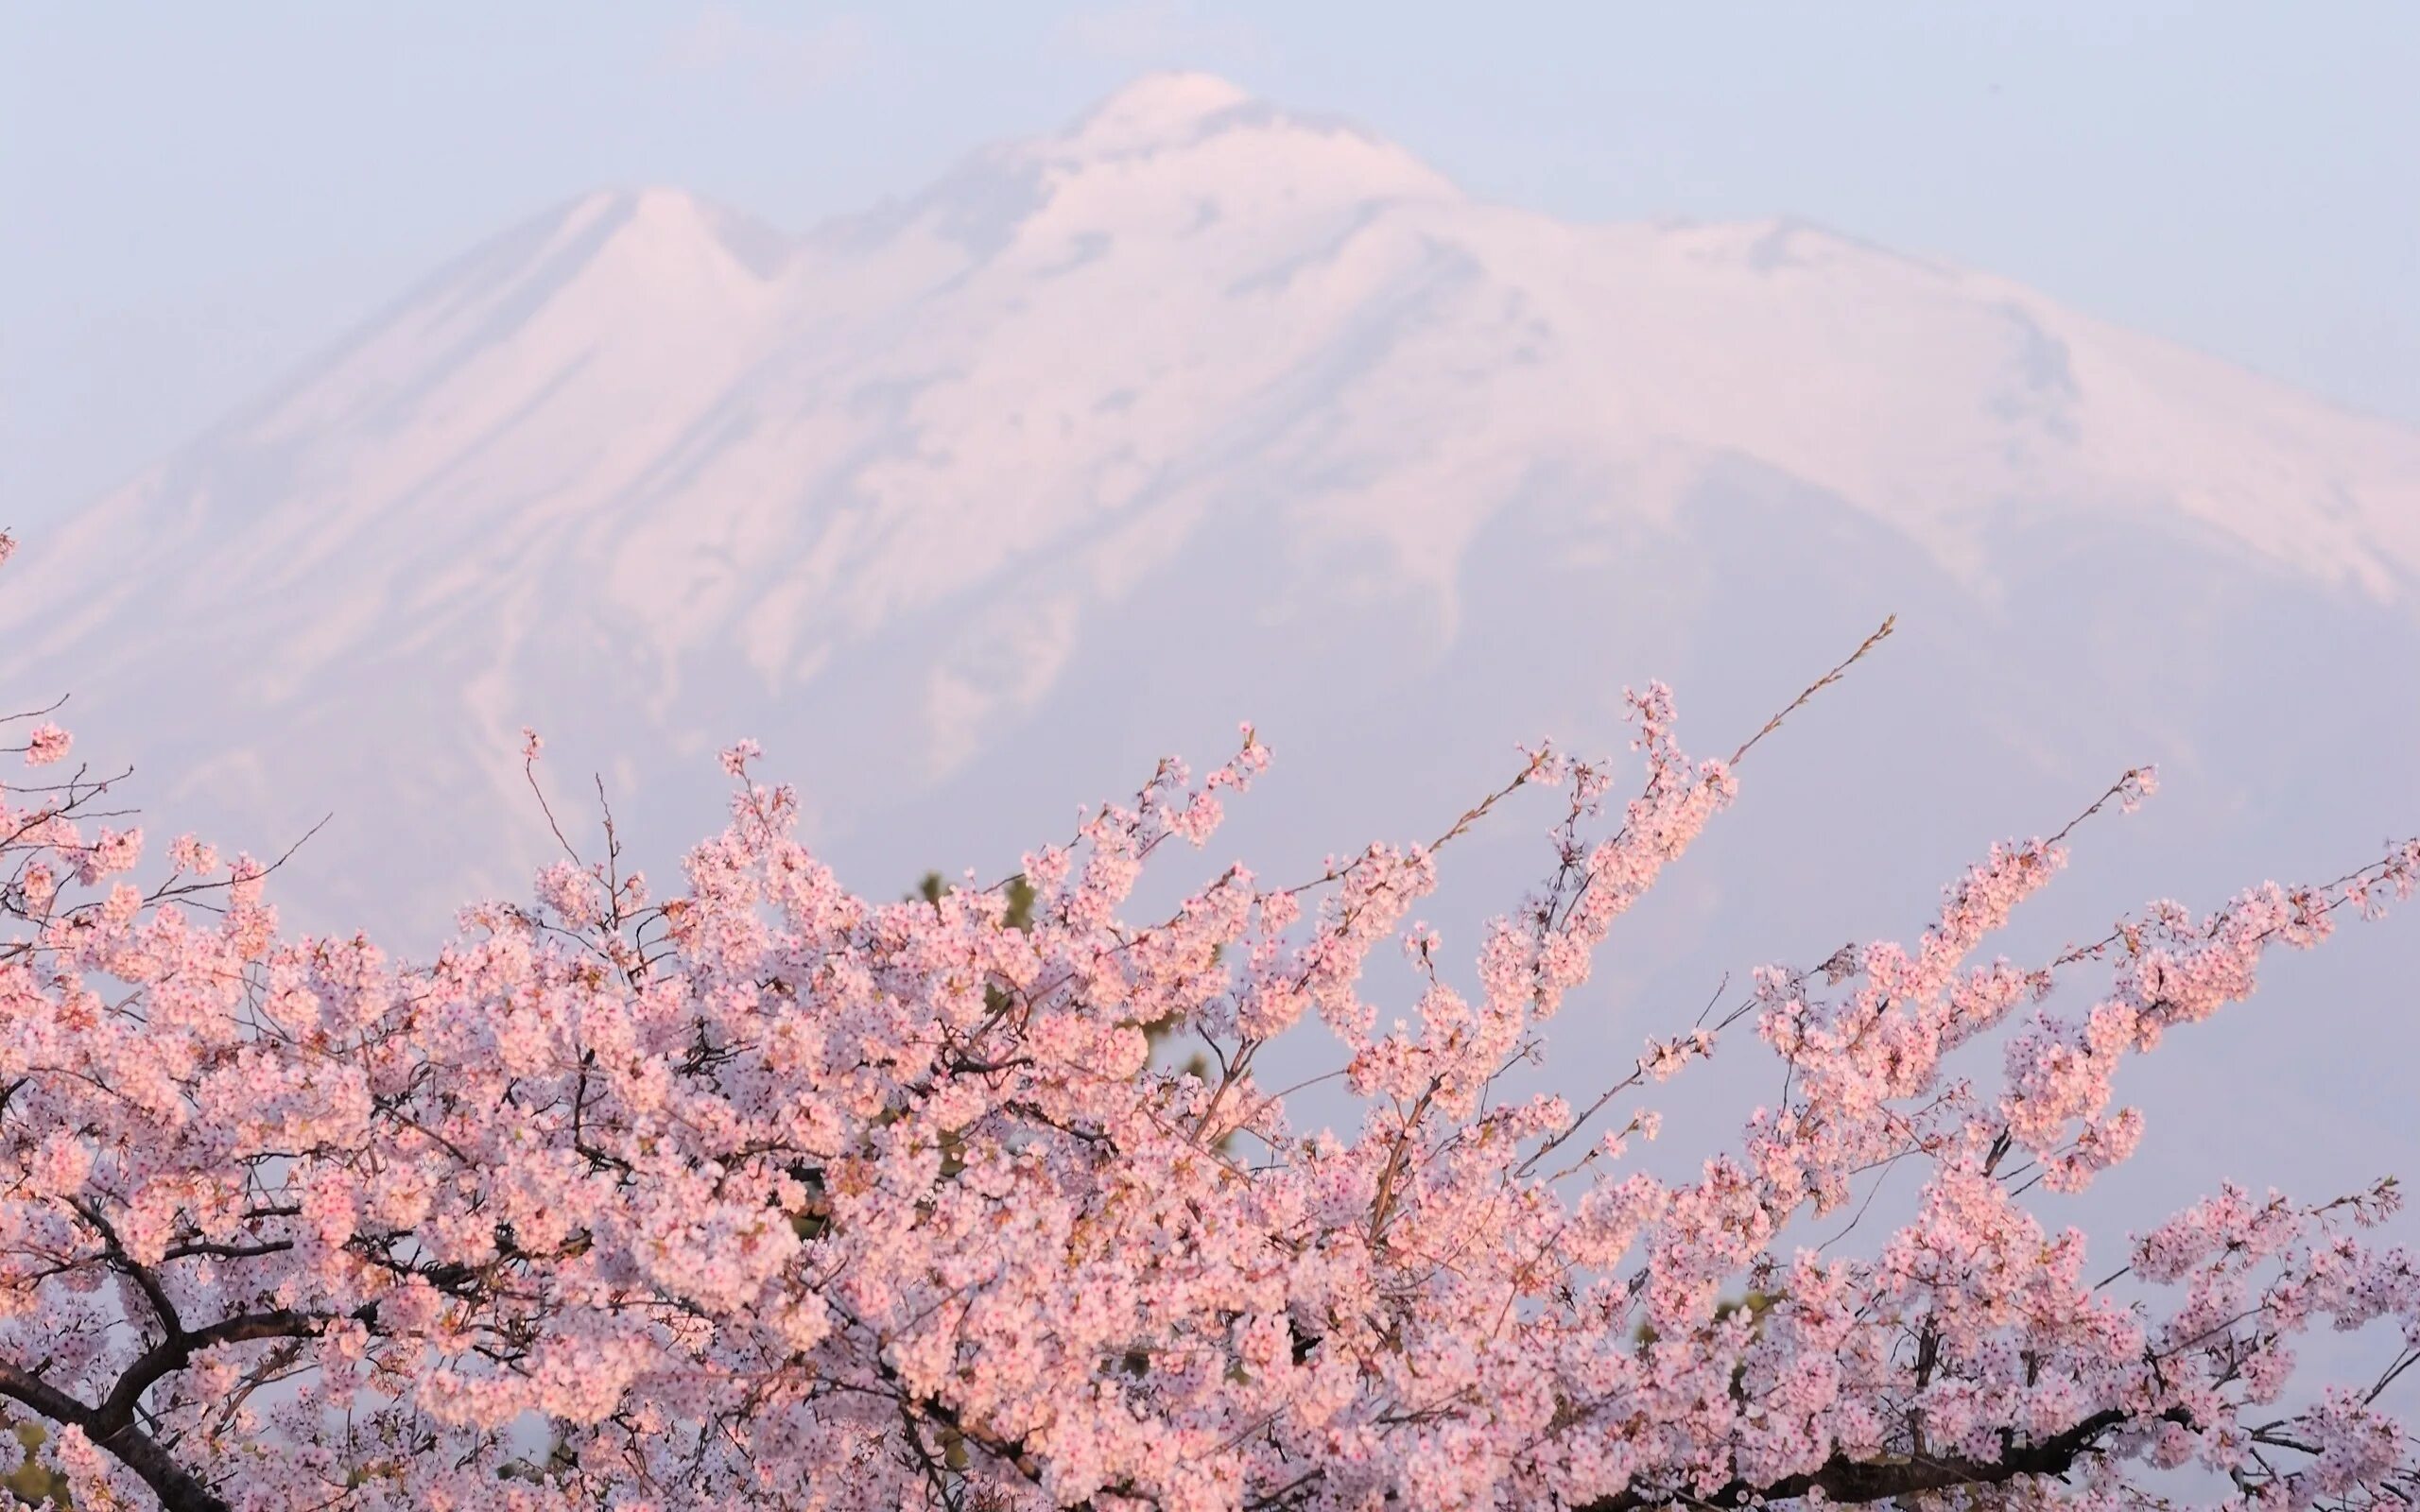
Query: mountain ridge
[{"x": 676, "y": 246}]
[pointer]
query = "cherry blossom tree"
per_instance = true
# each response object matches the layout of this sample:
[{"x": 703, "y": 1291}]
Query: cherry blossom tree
[{"x": 760, "y": 1195}]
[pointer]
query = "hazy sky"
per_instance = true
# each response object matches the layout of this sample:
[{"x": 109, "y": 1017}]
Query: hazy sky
[{"x": 196, "y": 196}]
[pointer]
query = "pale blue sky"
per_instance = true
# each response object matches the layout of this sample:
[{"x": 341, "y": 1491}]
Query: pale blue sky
[{"x": 196, "y": 196}]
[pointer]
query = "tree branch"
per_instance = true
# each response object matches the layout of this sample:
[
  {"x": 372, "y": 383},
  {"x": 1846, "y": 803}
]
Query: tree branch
[
  {"x": 1842, "y": 1479},
  {"x": 177, "y": 1488}
]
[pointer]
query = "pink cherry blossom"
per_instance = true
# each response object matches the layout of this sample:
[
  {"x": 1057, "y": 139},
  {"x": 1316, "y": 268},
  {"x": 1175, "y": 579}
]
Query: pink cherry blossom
[
  {"x": 761, "y": 1194},
  {"x": 45, "y": 743}
]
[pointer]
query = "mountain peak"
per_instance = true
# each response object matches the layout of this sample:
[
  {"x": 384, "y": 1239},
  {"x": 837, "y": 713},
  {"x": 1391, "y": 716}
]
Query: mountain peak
[
  {"x": 660, "y": 221},
  {"x": 1170, "y": 103}
]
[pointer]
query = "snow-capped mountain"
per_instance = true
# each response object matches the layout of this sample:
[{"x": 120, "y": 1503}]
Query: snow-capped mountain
[{"x": 1204, "y": 410}]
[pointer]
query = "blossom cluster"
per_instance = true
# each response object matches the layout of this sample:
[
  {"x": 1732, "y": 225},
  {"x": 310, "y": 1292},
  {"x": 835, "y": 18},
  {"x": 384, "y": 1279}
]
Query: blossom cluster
[{"x": 764, "y": 1194}]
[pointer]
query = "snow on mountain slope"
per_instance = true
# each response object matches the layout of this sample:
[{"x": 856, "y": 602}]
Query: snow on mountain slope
[{"x": 1073, "y": 343}]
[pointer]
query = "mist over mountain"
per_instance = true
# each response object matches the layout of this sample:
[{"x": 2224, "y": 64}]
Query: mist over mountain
[{"x": 971, "y": 506}]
